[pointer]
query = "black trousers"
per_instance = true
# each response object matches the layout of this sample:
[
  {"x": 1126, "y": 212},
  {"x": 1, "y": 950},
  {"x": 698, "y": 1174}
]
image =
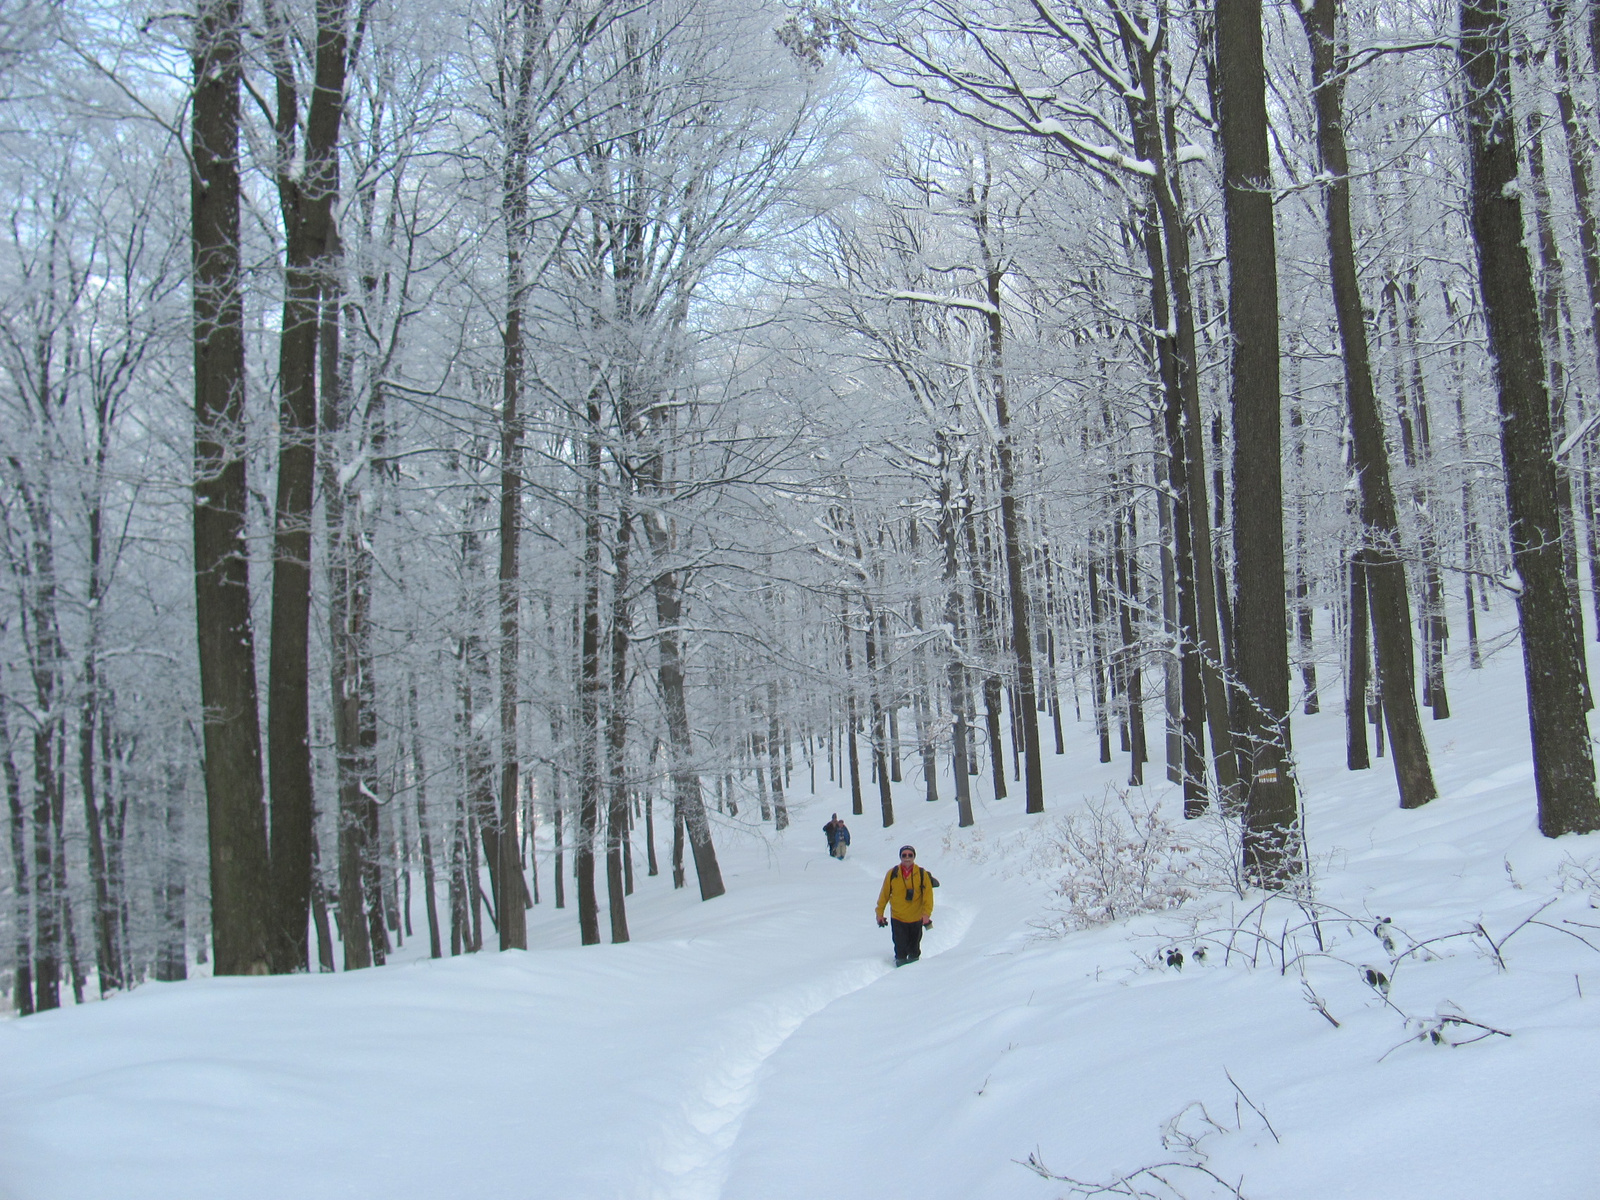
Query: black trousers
[{"x": 907, "y": 939}]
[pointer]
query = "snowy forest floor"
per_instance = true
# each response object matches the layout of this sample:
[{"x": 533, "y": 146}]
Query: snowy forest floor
[{"x": 762, "y": 1047}]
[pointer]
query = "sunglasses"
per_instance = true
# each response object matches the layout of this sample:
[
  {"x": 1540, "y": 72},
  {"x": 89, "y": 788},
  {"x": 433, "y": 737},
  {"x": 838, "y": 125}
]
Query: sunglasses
[{"x": 908, "y": 856}]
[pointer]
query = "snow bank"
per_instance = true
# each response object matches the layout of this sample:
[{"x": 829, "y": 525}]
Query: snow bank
[{"x": 761, "y": 1047}]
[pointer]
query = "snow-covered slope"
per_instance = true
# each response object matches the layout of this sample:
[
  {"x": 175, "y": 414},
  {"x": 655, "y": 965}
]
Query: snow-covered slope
[{"x": 762, "y": 1047}]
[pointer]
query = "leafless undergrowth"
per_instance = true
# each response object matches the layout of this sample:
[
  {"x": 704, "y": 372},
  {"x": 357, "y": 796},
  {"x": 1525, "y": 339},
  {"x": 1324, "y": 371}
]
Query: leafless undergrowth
[{"x": 1184, "y": 1174}]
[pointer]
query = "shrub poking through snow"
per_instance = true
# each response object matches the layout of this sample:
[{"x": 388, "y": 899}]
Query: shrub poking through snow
[
  {"x": 1578, "y": 876},
  {"x": 1185, "y": 1175},
  {"x": 1121, "y": 857}
]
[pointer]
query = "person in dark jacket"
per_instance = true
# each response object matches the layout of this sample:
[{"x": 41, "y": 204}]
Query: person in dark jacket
[
  {"x": 908, "y": 894},
  {"x": 838, "y": 836}
]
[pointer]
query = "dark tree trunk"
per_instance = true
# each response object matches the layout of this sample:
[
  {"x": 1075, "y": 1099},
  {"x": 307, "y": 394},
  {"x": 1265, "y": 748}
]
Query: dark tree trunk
[
  {"x": 922, "y": 709},
  {"x": 310, "y": 251},
  {"x": 1383, "y": 566},
  {"x": 512, "y": 890},
  {"x": 1355, "y": 697},
  {"x": 344, "y": 683},
  {"x": 172, "y": 956},
  {"x": 880, "y": 767},
  {"x": 852, "y": 718},
  {"x": 1126, "y": 535},
  {"x": 1011, "y": 533},
  {"x": 1098, "y": 673},
  {"x": 1172, "y": 662},
  {"x": 1165, "y": 237},
  {"x": 617, "y": 724},
  {"x": 688, "y": 799},
  {"x": 955, "y": 620},
  {"x": 22, "y": 949},
  {"x": 1562, "y": 756},
  {"x": 1271, "y": 809},
  {"x": 1305, "y": 618},
  {"x": 424, "y": 830},
  {"x": 240, "y": 880},
  {"x": 1580, "y": 149},
  {"x": 107, "y": 924},
  {"x": 1551, "y": 293},
  {"x": 589, "y": 688},
  {"x": 985, "y": 618},
  {"x": 779, "y": 807}
]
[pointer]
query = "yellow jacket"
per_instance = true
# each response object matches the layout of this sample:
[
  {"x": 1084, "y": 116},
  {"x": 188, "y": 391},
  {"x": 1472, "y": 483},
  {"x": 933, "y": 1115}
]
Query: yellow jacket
[{"x": 895, "y": 891}]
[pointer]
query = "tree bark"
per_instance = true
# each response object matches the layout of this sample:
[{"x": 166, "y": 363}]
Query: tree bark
[
  {"x": 589, "y": 686},
  {"x": 240, "y": 881},
  {"x": 1026, "y": 708},
  {"x": 1355, "y": 697},
  {"x": 617, "y": 721},
  {"x": 688, "y": 799},
  {"x": 852, "y": 718},
  {"x": 1261, "y": 620},
  {"x": 424, "y": 830},
  {"x": 511, "y": 887},
  {"x": 954, "y": 619},
  {"x": 1563, "y": 760},
  {"x": 1382, "y": 564},
  {"x": 22, "y": 980},
  {"x": 1165, "y": 237},
  {"x": 310, "y": 250}
]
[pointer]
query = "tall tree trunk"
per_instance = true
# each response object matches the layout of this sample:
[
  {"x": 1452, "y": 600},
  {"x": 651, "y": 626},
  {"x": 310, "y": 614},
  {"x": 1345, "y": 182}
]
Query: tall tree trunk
[
  {"x": 1174, "y": 658},
  {"x": 310, "y": 274},
  {"x": 852, "y": 718},
  {"x": 172, "y": 957},
  {"x": 1098, "y": 672},
  {"x": 1355, "y": 697},
  {"x": 780, "y": 808},
  {"x": 1261, "y": 644},
  {"x": 424, "y": 829},
  {"x": 880, "y": 767},
  {"x": 1165, "y": 238},
  {"x": 22, "y": 980},
  {"x": 688, "y": 800},
  {"x": 511, "y": 888},
  {"x": 1551, "y": 298},
  {"x": 985, "y": 619},
  {"x": 1580, "y": 149},
  {"x": 1305, "y": 617},
  {"x": 589, "y": 687},
  {"x": 344, "y": 672},
  {"x": 1052, "y": 622},
  {"x": 919, "y": 665},
  {"x": 1416, "y": 447},
  {"x": 1126, "y": 535},
  {"x": 617, "y": 720},
  {"x": 1562, "y": 757},
  {"x": 107, "y": 924},
  {"x": 240, "y": 881},
  {"x": 1382, "y": 565},
  {"x": 1011, "y": 533}
]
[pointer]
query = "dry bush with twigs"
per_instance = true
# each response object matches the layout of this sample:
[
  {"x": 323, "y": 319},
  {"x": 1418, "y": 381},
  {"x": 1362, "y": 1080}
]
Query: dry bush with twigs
[{"x": 1121, "y": 856}]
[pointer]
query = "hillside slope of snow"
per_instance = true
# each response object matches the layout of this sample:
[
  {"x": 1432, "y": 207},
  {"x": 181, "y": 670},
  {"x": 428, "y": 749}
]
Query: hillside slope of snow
[{"x": 762, "y": 1047}]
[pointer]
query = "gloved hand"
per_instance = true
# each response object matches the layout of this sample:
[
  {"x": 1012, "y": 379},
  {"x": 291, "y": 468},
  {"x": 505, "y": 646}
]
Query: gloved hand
[{"x": 882, "y": 922}]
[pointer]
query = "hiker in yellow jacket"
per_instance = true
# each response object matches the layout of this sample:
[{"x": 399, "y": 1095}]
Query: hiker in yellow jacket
[{"x": 908, "y": 894}]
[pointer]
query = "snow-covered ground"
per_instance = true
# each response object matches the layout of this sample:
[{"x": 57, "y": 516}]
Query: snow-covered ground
[{"x": 762, "y": 1047}]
